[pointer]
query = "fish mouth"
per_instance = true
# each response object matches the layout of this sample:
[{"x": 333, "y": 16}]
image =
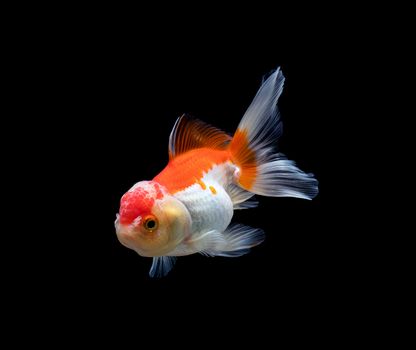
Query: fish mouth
[{"x": 123, "y": 232}]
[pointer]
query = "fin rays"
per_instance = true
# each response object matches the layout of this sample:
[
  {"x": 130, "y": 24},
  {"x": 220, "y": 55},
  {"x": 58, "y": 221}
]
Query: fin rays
[
  {"x": 263, "y": 171},
  {"x": 189, "y": 133}
]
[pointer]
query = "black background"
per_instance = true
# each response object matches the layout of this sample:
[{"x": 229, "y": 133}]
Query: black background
[
  {"x": 113, "y": 95},
  {"x": 121, "y": 114},
  {"x": 93, "y": 94}
]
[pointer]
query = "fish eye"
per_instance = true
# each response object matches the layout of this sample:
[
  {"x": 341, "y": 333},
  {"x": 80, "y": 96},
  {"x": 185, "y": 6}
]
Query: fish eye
[{"x": 150, "y": 223}]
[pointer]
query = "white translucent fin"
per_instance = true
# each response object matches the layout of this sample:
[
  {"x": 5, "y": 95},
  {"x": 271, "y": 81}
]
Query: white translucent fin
[
  {"x": 280, "y": 177},
  {"x": 209, "y": 243},
  {"x": 200, "y": 243},
  {"x": 262, "y": 171},
  {"x": 161, "y": 266},
  {"x": 238, "y": 241},
  {"x": 235, "y": 241},
  {"x": 262, "y": 120},
  {"x": 240, "y": 197}
]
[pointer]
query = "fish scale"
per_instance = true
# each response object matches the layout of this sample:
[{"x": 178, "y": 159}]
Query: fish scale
[{"x": 208, "y": 211}]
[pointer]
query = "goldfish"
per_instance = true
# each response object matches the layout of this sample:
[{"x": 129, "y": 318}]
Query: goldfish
[{"x": 187, "y": 208}]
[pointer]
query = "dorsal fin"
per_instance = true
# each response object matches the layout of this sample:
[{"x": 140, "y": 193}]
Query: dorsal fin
[{"x": 189, "y": 133}]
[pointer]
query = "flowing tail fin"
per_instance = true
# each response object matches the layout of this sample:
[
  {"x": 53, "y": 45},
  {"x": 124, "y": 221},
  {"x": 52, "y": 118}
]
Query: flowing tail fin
[{"x": 262, "y": 171}]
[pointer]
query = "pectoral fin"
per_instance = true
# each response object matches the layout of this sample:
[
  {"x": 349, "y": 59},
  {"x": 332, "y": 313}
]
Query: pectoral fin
[{"x": 161, "y": 266}]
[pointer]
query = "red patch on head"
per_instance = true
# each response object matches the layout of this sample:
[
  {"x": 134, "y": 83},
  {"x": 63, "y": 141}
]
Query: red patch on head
[
  {"x": 139, "y": 201},
  {"x": 159, "y": 191}
]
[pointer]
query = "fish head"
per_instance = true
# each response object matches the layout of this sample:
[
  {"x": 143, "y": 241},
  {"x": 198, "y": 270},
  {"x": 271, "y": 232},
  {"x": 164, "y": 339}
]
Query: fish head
[{"x": 151, "y": 221}]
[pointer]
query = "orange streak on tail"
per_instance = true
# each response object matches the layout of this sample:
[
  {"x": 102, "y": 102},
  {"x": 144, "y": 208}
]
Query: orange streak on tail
[{"x": 245, "y": 158}]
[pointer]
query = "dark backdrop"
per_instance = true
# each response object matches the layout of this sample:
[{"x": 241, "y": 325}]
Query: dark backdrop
[
  {"x": 120, "y": 111},
  {"x": 114, "y": 99}
]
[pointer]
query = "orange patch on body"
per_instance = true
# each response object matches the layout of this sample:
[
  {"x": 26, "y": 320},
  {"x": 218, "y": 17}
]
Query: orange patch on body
[
  {"x": 182, "y": 170},
  {"x": 213, "y": 190},
  {"x": 245, "y": 158},
  {"x": 202, "y": 184}
]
